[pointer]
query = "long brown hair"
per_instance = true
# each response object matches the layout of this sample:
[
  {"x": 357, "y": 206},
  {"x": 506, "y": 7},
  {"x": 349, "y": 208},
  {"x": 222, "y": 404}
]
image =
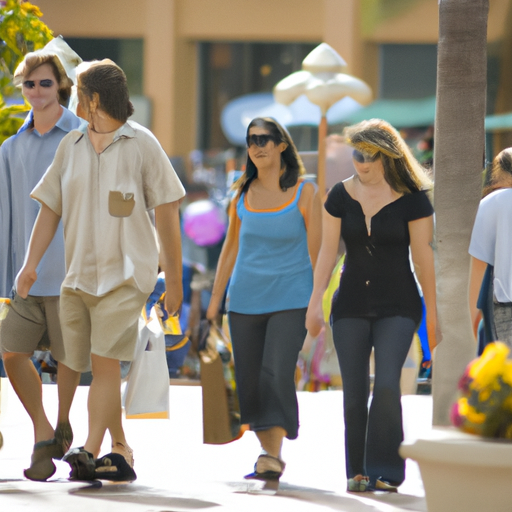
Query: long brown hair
[
  {"x": 290, "y": 159},
  {"x": 501, "y": 173},
  {"x": 377, "y": 138},
  {"x": 108, "y": 80}
]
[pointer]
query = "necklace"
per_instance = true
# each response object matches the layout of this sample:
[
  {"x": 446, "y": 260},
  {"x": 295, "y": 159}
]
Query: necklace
[{"x": 102, "y": 133}]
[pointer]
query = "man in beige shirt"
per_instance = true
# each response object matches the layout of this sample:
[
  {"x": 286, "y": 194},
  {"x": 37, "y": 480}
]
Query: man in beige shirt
[{"x": 103, "y": 181}]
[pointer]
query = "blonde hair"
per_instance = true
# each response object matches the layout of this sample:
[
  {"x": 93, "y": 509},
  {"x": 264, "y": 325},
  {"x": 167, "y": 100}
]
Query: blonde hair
[
  {"x": 33, "y": 60},
  {"x": 501, "y": 173},
  {"x": 377, "y": 138}
]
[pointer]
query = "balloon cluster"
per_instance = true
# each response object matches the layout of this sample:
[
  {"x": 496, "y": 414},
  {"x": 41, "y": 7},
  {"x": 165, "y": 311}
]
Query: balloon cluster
[{"x": 204, "y": 222}]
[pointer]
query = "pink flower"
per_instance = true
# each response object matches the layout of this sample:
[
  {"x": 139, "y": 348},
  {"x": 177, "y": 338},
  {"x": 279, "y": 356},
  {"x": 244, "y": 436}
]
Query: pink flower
[
  {"x": 456, "y": 419},
  {"x": 465, "y": 381}
]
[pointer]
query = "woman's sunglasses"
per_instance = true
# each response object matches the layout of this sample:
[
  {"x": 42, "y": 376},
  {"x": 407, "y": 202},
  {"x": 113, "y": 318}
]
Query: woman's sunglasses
[
  {"x": 260, "y": 140},
  {"x": 30, "y": 84},
  {"x": 363, "y": 157}
]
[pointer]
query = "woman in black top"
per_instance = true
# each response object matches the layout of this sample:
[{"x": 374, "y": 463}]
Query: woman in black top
[{"x": 381, "y": 212}]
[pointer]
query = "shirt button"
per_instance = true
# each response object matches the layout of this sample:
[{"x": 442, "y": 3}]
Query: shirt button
[{"x": 368, "y": 283}]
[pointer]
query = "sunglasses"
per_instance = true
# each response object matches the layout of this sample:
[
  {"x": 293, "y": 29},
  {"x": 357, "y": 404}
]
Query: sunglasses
[
  {"x": 260, "y": 140},
  {"x": 363, "y": 158},
  {"x": 30, "y": 84}
]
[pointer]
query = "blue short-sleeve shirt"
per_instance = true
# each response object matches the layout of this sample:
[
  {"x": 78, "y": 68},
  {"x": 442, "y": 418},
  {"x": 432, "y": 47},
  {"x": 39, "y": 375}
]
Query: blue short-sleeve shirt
[{"x": 24, "y": 158}]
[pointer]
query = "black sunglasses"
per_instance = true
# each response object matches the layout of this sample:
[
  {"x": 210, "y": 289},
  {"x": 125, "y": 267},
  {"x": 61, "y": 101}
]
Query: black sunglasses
[
  {"x": 260, "y": 140},
  {"x": 362, "y": 157},
  {"x": 30, "y": 84}
]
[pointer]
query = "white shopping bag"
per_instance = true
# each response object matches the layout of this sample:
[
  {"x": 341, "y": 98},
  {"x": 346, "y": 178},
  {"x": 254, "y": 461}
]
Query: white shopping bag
[{"x": 147, "y": 389}]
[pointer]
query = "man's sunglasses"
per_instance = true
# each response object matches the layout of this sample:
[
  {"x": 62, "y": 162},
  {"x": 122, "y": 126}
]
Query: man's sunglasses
[
  {"x": 260, "y": 140},
  {"x": 30, "y": 84},
  {"x": 363, "y": 157}
]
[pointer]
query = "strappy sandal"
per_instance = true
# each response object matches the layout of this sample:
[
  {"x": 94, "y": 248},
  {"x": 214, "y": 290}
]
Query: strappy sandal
[
  {"x": 82, "y": 464},
  {"x": 359, "y": 483},
  {"x": 114, "y": 467},
  {"x": 382, "y": 485},
  {"x": 267, "y": 467},
  {"x": 125, "y": 451},
  {"x": 41, "y": 464}
]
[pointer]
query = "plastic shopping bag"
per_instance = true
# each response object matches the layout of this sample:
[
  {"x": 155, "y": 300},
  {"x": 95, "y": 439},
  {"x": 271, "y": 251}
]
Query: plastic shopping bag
[{"x": 147, "y": 389}]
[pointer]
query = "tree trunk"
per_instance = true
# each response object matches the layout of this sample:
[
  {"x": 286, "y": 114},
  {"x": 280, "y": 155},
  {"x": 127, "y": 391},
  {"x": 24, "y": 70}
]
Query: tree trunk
[{"x": 458, "y": 162}]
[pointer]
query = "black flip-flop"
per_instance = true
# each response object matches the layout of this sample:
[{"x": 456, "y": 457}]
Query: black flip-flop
[
  {"x": 82, "y": 464},
  {"x": 266, "y": 475},
  {"x": 114, "y": 467}
]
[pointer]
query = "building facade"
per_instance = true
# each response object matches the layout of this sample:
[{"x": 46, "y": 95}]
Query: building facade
[{"x": 190, "y": 57}]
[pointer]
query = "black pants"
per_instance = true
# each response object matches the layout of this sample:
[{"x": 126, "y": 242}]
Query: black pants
[
  {"x": 372, "y": 438},
  {"x": 266, "y": 348}
]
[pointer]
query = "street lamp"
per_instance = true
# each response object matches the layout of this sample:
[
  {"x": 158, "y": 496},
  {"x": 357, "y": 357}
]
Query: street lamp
[{"x": 323, "y": 81}]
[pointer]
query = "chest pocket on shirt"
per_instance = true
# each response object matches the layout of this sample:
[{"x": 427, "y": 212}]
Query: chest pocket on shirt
[{"x": 120, "y": 204}]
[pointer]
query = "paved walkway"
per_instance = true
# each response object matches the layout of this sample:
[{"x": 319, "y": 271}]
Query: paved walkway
[{"x": 177, "y": 473}]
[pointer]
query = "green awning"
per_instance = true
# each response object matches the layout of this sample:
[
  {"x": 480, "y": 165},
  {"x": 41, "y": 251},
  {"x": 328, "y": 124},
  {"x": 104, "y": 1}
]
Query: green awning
[
  {"x": 498, "y": 122},
  {"x": 414, "y": 113},
  {"x": 399, "y": 113}
]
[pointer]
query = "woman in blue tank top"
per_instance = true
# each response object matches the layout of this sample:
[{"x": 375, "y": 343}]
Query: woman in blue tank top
[{"x": 268, "y": 258}]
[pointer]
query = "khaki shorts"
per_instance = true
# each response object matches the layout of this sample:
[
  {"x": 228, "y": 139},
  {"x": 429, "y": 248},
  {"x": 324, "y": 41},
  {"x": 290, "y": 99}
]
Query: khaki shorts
[
  {"x": 106, "y": 326},
  {"x": 32, "y": 324}
]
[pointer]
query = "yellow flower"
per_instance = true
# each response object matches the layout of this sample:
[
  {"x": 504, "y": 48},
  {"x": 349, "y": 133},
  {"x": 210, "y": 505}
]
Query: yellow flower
[
  {"x": 507, "y": 403},
  {"x": 28, "y": 8},
  {"x": 507, "y": 373},
  {"x": 475, "y": 417},
  {"x": 489, "y": 365},
  {"x": 463, "y": 406},
  {"x": 484, "y": 395}
]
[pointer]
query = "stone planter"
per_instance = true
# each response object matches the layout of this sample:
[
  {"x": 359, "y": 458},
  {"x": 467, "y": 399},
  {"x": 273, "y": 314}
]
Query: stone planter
[{"x": 462, "y": 472}]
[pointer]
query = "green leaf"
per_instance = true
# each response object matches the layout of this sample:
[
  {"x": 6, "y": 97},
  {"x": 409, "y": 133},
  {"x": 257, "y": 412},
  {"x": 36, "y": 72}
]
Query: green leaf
[{"x": 21, "y": 31}]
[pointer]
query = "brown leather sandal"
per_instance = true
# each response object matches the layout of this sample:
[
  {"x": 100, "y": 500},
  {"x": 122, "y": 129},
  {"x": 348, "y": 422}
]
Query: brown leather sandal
[
  {"x": 41, "y": 465},
  {"x": 64, "y": 436}
]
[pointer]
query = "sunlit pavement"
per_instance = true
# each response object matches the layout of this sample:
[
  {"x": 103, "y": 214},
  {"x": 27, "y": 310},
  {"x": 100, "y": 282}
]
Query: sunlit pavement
[{"x": 177, "y": 472}]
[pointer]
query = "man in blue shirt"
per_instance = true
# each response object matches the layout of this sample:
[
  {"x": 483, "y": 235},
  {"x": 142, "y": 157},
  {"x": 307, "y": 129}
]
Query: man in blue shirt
[{"x": 33, "y": 322}]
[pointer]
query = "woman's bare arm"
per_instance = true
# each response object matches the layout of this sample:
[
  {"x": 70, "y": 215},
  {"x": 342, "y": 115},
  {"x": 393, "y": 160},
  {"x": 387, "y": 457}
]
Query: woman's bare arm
[
  {"x": 311, "y": 207},
  {"x": 475, "y": 283},
  {"x": 225, "y": 265},
  {"x": 331, "y": 228},
  {"x": 421, "y": 234}
]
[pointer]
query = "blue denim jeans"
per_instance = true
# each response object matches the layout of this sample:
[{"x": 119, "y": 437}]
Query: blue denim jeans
[{"x": 372, "y": 437}]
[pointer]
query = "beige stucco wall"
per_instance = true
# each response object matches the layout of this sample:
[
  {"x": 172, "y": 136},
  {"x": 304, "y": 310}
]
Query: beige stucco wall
[
  {"x": 277, "y": 20},
  {"x": 95, "y": 18},
  {"x": 172, "y": 28}
]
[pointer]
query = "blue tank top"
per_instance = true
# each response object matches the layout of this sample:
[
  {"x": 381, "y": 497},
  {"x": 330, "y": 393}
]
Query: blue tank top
[{"x": 273, "y": 270}]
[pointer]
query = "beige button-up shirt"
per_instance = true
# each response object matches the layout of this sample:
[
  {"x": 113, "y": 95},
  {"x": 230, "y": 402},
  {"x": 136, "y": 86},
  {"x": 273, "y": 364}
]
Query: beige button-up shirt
[{"x": 103, "y": 200}]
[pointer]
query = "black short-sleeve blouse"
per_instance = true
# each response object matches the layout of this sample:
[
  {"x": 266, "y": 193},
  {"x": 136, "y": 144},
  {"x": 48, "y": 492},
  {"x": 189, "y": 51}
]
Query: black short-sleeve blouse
[{"x": 377, "y": 280}]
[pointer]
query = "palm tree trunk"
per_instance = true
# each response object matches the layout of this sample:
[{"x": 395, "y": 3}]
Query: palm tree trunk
[{"x": 458, "y": 162}]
